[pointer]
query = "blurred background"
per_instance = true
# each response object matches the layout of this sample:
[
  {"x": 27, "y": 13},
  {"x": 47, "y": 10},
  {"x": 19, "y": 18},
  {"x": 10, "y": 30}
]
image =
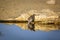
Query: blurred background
[{"x": 14, "y": 8}]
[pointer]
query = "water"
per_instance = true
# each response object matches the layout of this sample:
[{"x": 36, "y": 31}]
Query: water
[{"x": 13, "y": 32}]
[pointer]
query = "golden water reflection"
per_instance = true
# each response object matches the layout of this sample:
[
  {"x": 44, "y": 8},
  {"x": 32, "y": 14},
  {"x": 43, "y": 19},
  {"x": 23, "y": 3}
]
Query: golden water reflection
[{"x": 42, "y": 27}]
